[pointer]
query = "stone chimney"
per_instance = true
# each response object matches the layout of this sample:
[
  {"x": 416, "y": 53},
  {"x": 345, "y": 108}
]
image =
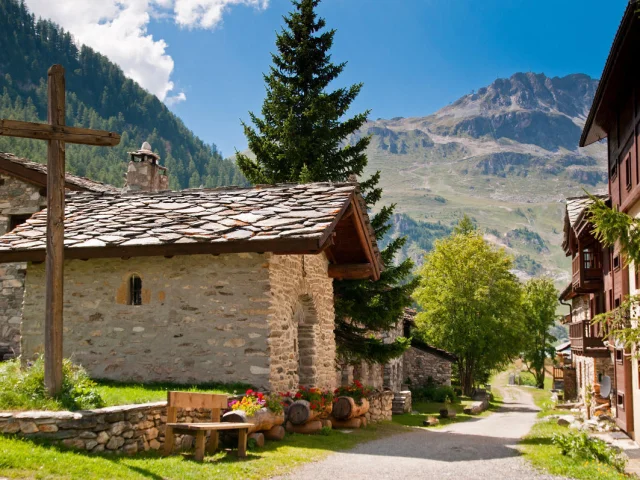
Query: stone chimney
[{"x": 144, "y": 174}]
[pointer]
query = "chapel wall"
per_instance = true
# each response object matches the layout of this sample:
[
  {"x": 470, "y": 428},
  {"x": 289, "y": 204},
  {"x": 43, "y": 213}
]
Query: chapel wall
[
  {"x": 301, "y": 295},
  {"x": 203, "y": 318},
  {"x": 16, "y": 198}
]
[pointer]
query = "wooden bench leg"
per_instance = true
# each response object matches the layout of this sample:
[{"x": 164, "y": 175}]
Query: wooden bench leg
[
  {"x": 212, "y": 444},
  {"x": 200, "y": 446},
  {"x": 242, "y": 442},
  {"x": 169, "y": 440}
]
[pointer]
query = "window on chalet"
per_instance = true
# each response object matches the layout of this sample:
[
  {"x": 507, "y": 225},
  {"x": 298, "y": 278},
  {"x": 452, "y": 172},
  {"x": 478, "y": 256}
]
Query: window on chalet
[
  {"x": 620, "y": 398},
  {"x": 617, "y": 302},
  {"x": 627, "y": 168},
  {"x": 619, "y": 355},
  {"x": 15, "y": 220},
  {"x": 135, "y": 290},
  {"x": 616, "y": 262},
  {"x": 614, "y": 170},
  {"x": 589, "y": 258}
]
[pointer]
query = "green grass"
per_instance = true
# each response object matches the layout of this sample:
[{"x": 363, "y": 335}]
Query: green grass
[
  {"x": 118, "y": 393},
  {"x": 538, "y": 449},
  {"x": 433, "y": 408},
  {"x": 26, "y": 459}
]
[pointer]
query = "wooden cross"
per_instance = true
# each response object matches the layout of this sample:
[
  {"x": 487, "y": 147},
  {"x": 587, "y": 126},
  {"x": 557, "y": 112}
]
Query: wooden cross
[{"x": 56, "y": 134}]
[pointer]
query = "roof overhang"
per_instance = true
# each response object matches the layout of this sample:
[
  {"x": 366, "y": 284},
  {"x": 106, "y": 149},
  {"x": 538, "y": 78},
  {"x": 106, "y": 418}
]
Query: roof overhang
[
  {"x": 615, "y": 77},
  {"x": 348, "y": 242}
]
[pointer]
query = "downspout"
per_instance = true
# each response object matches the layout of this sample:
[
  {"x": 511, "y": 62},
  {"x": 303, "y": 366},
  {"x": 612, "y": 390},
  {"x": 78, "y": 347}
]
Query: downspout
[{"x": 562, "y": 302}]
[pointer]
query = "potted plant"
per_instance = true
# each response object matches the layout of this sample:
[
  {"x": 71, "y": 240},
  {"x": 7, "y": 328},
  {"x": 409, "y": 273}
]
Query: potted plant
[
  {"x": 351, "y": 401},
  {"x": 263, "y": 411},
  {"x": 308, "y": 404}
]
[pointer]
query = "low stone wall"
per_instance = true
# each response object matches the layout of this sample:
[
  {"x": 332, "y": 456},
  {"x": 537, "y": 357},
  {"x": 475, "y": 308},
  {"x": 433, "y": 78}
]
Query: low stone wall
[
  {"x": 380, "y": 406},
  {"x": 127, "y": 429}
]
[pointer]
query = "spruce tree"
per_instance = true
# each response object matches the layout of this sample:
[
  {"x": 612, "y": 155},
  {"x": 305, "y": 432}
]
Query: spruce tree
[{"x": 302, "y": 137}]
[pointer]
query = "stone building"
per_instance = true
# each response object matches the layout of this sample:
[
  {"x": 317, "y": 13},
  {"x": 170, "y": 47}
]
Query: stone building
[
  {"x": 420, "y": 365},
  {"x": 202, "y": 285},
  {"x": 23, "y": 193}
]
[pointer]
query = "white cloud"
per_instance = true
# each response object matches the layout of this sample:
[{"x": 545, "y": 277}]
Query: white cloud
[{"x": 118, "y": 29}]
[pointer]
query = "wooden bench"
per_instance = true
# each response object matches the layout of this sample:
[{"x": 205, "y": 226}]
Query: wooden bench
[{"x": 215, "y": 403}]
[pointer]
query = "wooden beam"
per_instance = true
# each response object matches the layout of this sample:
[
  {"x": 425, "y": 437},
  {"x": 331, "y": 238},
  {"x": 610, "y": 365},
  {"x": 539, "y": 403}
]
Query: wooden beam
[
  {"x": 55, "y": 236},
  {"x": 364, "y": 238},
  {"x": 356, "y": 271},
  {"x": 38, "y": 131}
]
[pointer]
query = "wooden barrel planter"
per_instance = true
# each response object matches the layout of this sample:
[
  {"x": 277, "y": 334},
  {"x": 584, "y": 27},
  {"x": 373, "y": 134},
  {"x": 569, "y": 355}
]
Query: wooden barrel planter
[
  {"x": 300, "y": 412},
  {"x": 346, "y": 408},
  {"x": 264, "y": 419}
]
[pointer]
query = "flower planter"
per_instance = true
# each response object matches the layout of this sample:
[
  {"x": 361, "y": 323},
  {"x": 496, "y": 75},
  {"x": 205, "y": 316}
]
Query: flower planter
[
  {"x": 264, "y": 419},
  {"x": 346, "y": 408}
]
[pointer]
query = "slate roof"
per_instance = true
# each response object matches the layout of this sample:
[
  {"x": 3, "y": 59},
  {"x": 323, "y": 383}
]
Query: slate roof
[
  {"x": 32, "y": 171},
  {"x": 266, "y": 218},
  {"x": 410, "y": 318},
  {"x": 574, "y": 213}
]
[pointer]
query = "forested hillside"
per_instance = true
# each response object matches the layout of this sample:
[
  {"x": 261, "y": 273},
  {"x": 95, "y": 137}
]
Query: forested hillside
[{"x": 98, "y": 96}]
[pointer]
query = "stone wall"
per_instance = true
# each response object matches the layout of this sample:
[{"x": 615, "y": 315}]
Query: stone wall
[
  {"x": 581, "y": 309},
  {"x": 16, "y": 198},
  {"x": 380, "y": 406},
  {"x": 301, "y": 320},
  {"x": 588, "y": 371},
  {"x": 202, "y": 318},
  {"x": 127, "y": 429},
  {"x": 419, "y": 366},
  {"x": 570, "y": 383}
]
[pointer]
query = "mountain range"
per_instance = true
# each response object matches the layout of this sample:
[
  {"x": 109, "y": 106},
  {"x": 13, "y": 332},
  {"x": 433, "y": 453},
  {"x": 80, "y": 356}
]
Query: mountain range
[{"x": 506, "y": 155}]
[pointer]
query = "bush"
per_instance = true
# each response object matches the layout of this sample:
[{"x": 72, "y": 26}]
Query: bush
[
  {"x": 527, "y": 378},
  {"x": 582, "y": 447},
  {"x": 24, "y": 388},
  {"x": 433, "y": 393}
]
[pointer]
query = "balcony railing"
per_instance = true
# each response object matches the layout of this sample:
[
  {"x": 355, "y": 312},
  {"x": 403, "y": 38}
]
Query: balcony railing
[
  {"x": 585, "y": 336},
  {"x": 587, "y": 269}
]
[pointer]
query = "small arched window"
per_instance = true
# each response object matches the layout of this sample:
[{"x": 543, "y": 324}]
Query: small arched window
[{"x": 135, "y": 290}]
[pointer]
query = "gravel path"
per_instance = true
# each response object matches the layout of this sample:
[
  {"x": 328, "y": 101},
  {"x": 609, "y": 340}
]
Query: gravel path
[{"x": 483, "y": 448}]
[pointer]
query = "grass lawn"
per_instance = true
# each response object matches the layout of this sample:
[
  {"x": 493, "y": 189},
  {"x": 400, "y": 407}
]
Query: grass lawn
[
  {"x": 116, "y": 393},
  {"x": 538, "y": 448},
  {"x": 26, "y": 459},
  {"x": 433, "y": 408}
]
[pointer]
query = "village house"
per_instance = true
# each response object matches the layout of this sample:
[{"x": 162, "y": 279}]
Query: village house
[
  {"x": 420, "y": 365},
  {"x": 590, "y": 358},
  {"x": 227, "y": 285},
  {"x": 615, "y": 115},
  {"x": 23, "y": 193}
]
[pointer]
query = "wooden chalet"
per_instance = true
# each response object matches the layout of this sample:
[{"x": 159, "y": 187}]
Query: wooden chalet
[{"x": 615, "y": 115}]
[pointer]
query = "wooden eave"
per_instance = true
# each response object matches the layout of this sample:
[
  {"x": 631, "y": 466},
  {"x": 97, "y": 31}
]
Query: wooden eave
[
  {"x": 612, "y": 80},
  {"x": 31, "y": 176}
]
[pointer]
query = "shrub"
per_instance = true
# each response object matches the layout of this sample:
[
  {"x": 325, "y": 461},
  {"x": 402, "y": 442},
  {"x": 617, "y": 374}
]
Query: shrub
[
  {"x": 583, "y": 447},
  {"x": 24, "y": 388},
  {"x": 433, "y": 393}
]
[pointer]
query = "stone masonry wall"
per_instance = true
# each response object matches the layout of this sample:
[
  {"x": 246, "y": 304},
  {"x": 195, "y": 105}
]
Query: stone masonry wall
[
  {"x": 125, "y": 429},
  {"x": 16, "y": 198},
  {"x": 301, "y": 320},
  {"x": 418, "y": 366},
  {"x": 202, "y": 318},
  {"x": 588, "y": 370}
]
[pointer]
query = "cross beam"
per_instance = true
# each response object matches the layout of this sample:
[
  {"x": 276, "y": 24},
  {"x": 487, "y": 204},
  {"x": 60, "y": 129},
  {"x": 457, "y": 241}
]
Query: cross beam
[{"x": 56, "y": 133}]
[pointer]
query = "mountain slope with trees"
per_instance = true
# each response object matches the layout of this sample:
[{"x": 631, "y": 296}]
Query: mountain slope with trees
[
  {"x": 506, "y": 155},
  {"x": 98, "y": 96}
]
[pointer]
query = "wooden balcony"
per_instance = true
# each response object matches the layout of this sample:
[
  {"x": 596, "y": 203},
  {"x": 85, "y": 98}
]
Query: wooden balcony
[
  {"x": 587, "y": 270},
  {"x": 586, "y": 340}
]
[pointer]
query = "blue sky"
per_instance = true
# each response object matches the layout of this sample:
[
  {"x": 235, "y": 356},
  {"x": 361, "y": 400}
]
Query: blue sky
[{"x": 414, "y": 56}]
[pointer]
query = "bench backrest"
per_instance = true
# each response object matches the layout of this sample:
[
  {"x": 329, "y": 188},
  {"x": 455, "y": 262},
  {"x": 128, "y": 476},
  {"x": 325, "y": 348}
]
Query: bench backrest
[{"x": 192, "y": 400}]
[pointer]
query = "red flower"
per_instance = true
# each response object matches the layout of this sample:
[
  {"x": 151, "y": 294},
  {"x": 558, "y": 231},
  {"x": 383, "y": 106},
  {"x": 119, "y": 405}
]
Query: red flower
[{"x": 249, "y": 392}]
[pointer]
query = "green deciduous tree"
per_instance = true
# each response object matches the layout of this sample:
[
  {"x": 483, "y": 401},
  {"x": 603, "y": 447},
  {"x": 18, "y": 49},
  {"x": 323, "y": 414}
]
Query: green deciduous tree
[
  {"x": 540, "y": 299},
  {"x": 302, "y": 137},
  {"x": 471, "y": 304}
]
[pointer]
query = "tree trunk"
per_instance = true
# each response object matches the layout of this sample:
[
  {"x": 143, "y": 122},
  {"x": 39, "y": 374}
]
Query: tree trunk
[
  {"x": 275, "y": 433},
  {"x": 311, "y": 427},
  {"x": 346, "y": 408},
  {"x": 264, "y": 419},
  {"x": 350, "y": 423}
]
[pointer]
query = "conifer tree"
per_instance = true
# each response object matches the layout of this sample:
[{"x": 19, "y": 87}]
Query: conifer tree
[{"x": 301, "y": 137}]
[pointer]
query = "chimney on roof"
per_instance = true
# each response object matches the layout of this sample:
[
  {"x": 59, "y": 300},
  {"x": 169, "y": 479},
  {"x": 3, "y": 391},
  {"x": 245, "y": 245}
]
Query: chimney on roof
[{"x": 144, "y": 174}]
